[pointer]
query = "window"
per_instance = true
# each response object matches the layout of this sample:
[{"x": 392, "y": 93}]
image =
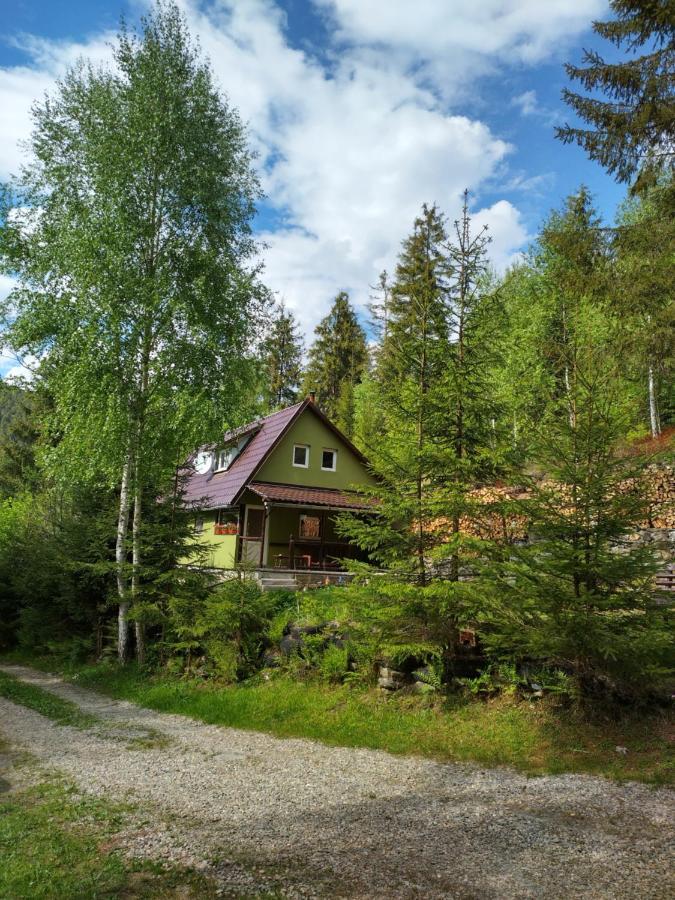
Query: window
[
  {"x": 328, "y": 460},
  {"x": 199, "y": 526},
  {"x": 301, "y": 456},
  {"x": 227, "y": 522},
  {"x": 310, "y": 527},
  {"x": 226, "y": 456}
]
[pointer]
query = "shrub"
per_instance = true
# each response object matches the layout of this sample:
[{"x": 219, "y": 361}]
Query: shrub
[
  {"x": 334, "y": 663},
  {"x": 229, "y": 627}
]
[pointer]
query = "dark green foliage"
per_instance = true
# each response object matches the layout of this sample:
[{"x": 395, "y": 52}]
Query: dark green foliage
[
  {"x": 19, "y": 431},
  {"x": 282, "y": 351},
  {"x": 431, "y": 397},
  {"x": 408, "y": 393},
  {"x": 579, "y": 595},
  {"x": 55, "y": 572},
  {"x": 224, "y": 632},
  {"x": 337, "y": 362},
  {"x": 632, "y": 130}
]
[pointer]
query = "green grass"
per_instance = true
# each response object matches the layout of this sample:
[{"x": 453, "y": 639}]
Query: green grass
[
  {"x": 534, "y": 737},
  {"x": 64, "y": 712},
  {"x": 56, "y": 844}
]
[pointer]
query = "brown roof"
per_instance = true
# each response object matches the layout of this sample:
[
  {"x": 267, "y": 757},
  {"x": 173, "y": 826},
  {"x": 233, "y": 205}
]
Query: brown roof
[
  {"x": 309, "y": 496},
  {"x": 216, "y": 489}
]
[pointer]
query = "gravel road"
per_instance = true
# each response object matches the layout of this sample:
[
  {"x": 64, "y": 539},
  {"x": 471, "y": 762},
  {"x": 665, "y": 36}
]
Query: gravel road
[{"x": 302, "y": 819}]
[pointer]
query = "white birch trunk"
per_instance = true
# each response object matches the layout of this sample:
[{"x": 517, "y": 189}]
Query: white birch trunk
[
  {"x": 120, "y": 561},
  {"x": 654, "y": 418},
  {"x": 136, "y": 563}
]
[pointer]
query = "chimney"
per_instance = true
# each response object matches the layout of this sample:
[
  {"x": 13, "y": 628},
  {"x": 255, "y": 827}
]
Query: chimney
[{"x": 312, "y": 397}]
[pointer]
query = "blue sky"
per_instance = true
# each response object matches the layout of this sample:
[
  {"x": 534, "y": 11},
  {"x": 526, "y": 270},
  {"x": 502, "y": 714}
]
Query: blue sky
[{"x": 360, "y": 111}]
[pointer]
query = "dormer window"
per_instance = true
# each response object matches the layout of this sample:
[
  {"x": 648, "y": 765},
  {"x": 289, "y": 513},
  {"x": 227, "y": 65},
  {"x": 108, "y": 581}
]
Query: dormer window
[
  {"x": 328, "y": 460},
  {"x": 226, "y": 456},
  {"x": 301, "y": 456}
]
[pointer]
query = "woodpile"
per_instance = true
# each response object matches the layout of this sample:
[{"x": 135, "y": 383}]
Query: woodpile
[
  {"x": 659, "y": 487},
  {"x": 494, "y": 514}
]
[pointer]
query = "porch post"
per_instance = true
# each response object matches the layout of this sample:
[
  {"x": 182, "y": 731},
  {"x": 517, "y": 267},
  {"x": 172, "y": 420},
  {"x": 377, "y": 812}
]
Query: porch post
[
  {"x": 264, "y": 535},
  {"x": 322, "y": 537}
]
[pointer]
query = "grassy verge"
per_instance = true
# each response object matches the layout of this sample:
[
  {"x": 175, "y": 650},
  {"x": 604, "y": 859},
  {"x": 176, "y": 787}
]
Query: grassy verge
[
  {"x": 61, "y": 711},
  {"x": 534, "y": 737},
  {"x": 54, "y": 844}
]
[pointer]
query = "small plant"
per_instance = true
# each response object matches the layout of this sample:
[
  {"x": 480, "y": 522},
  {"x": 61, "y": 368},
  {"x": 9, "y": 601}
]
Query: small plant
[
  {"x": 334, "y": 663},
  {"x": 502, "y": 678}
]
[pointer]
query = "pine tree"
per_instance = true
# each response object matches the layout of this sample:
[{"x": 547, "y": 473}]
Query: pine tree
[
  {"x": 579, "y": 595},
  {"x": 409, "y": 398},
  {"x": 474, "y": 322},
  {"x": 573, "y": 260},
  {"x": 19, "y": 433},
  {"x": 632, "y": 132},
  {"x": 338, "y": 359},
  {"x": 282, "y": 351}
]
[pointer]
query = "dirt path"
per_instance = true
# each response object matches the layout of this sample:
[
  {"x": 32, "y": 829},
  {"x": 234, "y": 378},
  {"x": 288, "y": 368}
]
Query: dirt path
[{"x": 310, "y": 820}]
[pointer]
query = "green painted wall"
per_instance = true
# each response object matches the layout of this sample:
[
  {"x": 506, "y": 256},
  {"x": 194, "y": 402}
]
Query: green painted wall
[
  {"x": 308, "y": 429},
  {"x": 222, "y": 547}
]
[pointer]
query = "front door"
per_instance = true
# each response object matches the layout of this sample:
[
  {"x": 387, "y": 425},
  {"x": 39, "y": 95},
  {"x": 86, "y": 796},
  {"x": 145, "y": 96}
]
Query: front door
[{"x": 254, "y": 525}]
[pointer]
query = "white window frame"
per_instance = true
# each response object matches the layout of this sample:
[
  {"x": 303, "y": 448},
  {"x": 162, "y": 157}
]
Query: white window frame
[
  {"x": 332, "y": 468},
  {"x": 304, "y": 465},
  {"x": 219, "y": 467}
]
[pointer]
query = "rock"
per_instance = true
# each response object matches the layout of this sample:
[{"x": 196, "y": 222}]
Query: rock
[
  {"x": 390, "y": 679},
  {"x": 622, "y": 750},
  {"x": 290, "y": 644}
]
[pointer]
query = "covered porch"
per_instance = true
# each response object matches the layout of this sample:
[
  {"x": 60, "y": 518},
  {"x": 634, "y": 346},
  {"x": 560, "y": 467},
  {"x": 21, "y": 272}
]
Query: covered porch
[{"x": 293, "y": 529}]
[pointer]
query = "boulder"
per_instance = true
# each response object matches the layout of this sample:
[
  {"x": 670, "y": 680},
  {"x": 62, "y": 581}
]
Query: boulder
[
  {"x": 290, "y": 644},
  {"x": 390, "y": 679}
]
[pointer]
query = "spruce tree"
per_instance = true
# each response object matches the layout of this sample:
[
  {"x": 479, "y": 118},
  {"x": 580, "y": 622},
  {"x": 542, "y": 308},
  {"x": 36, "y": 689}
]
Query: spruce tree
[
  {"x": 282, "y": 351},
  {"x": 408, "y": 396},
  {"x": 338, "y": 359},
  {"x": 632, "y": 131},
  {"x": 574, "y": 263},
  {"x": 474, "y": 320},
  {"x": 579, "y": 595}
]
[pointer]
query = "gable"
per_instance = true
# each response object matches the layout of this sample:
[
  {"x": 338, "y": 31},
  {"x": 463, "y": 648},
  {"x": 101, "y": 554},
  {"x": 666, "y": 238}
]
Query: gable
[{"x": 308, "y": 429}]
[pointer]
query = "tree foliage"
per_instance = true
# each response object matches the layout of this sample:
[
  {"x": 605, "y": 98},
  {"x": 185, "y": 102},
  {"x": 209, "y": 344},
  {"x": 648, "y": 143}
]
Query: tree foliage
[
  {"x": 129, "y": 233},
  {"x": 337, "y": 361},
  {"x": 632, "y": 131},
  {"x": 282, "y": 351}
]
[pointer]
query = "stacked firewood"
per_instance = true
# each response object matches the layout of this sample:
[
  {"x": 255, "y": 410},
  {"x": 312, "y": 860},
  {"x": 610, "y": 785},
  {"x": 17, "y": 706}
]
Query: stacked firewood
[
  {"x": 494, "y": 514},
  {"x": 659, "y": 486}
]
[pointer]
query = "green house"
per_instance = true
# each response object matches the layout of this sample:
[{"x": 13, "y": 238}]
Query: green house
[{"x": 269, "y": 492}]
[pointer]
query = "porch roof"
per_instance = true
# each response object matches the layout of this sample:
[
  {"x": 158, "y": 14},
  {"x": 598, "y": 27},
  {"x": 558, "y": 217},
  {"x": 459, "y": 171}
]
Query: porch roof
[{"x": 309, "y": 496}]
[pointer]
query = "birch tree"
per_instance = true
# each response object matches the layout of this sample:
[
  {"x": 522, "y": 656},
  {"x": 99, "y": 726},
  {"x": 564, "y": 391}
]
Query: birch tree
[
  {"x": 644, "y": 245},
  {"x": 129, "y": 234}
]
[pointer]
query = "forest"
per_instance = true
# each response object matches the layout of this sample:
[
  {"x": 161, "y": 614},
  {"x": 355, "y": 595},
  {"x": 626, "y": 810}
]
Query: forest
[{"x": 519, "y": 424}]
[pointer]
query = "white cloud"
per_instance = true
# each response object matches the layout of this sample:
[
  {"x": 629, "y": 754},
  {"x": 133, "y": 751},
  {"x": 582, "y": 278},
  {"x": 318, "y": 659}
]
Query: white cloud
[
  {"x": 526, "y": 103},
  {"x": 513, "y": 30},
  {"x": 350, "y": 153}
]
